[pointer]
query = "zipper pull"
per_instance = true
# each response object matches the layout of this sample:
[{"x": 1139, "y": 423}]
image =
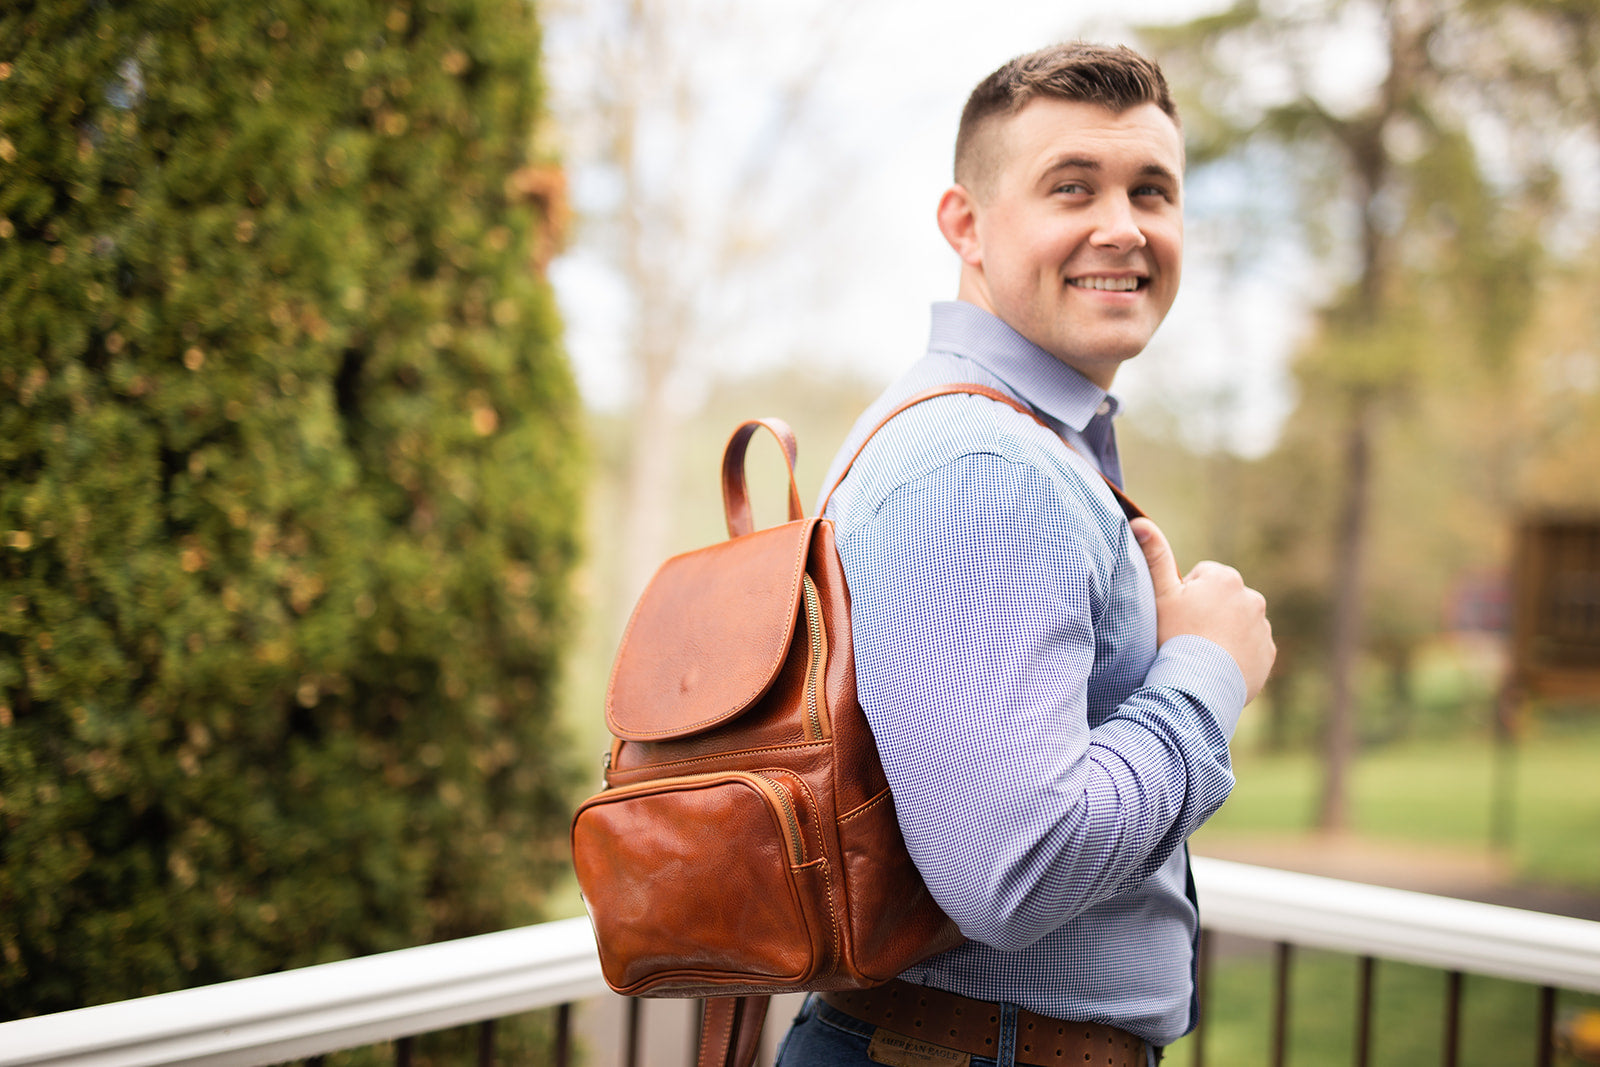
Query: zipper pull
[{"x": 605, "y": 771}]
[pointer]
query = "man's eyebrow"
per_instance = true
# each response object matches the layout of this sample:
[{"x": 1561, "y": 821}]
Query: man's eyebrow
[
  {"x": 1149, "y": 170},
  {"x": 1072, "y": 163},
  {"x": 1156, "y": 170}
]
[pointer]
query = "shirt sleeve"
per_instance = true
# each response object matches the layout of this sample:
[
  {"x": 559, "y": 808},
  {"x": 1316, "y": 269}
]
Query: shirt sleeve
[{"x": 976, "y": 597}]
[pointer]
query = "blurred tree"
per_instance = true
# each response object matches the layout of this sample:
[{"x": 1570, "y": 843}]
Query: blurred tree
[
  {"x": 1426, "y": 176},
  {"x": 693, "y": 126},
  {"x": 288, "y": 489}
]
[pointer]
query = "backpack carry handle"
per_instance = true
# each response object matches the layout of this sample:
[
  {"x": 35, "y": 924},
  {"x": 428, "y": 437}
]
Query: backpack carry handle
[
  {"x": 730, "y": 1030},
  {"x": 735, "y": 493}
]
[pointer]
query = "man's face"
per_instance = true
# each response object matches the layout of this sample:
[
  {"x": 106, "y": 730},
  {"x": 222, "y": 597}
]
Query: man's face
[{"x": 1077, "y": 238}]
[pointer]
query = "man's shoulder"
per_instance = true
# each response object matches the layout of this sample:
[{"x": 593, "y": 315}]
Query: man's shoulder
[{"x": 938, "y": 439}]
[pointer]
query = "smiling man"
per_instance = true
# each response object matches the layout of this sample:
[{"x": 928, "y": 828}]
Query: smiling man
[{"x": 1051, "y": 700}]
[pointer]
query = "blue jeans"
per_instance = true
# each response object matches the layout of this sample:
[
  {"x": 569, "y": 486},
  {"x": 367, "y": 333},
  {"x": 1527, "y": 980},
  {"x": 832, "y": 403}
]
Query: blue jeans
[{"x": 823, "y": 1036}]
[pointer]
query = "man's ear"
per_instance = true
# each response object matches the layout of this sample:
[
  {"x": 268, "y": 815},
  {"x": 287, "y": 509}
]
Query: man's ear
[{"x": 958, "y": 221}]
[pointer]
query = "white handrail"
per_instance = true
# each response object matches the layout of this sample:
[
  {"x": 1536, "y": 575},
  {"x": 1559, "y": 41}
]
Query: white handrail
[
  {"x": 278, "y": 1017},
  {"x": 305, "y": 1012},
  {"x": 1369, "y": 920}
]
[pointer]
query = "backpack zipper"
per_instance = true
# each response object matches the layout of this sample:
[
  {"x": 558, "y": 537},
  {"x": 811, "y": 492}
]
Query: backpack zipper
[
  {"x": 787, "y": 804},
  {"x": 813, "y": 608},
  {"x": 762, "y": 782}
]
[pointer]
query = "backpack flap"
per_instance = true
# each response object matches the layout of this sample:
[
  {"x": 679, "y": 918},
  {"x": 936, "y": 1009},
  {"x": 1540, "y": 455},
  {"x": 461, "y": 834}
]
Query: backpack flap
[{"x": 709, "y": 635}]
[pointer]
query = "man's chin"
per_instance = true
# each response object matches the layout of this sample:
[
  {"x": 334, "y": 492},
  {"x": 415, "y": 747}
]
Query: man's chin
[
  {"x": 1108, "y": 349},
  {"x": 1099, "y": 366}
]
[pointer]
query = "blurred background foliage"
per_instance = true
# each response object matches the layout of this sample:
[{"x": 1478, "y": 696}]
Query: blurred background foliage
[
  {"x": 290, "y": 469},
  {"x": 1443, "y": 192}
]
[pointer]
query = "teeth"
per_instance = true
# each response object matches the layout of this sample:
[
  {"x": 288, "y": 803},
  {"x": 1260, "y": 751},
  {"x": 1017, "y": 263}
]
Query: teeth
[{"x": 1113, "y": 285}]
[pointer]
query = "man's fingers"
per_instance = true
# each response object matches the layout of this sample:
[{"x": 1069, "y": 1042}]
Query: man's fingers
[
  {"x": 1210, "y": 568},
  {"x": 1158, "y": 554}
]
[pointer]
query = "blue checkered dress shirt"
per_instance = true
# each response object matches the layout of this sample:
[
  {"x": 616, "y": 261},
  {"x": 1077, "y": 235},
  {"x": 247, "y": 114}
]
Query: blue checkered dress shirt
[{"x": 1047, "y": 762}]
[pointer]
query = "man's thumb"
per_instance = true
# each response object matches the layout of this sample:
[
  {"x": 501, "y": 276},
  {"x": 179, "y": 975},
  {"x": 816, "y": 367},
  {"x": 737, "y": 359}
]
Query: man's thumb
[{"x": 1158, "y": 554}]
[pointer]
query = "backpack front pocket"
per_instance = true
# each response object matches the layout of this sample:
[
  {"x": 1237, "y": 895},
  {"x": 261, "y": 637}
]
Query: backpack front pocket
[{"x": 710, "y": 881}]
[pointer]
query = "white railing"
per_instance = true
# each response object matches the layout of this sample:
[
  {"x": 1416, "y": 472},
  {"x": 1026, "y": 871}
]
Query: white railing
[
  {"x": 1394, "y": 924},
  {"x": 293, "y": 1014},
  {"x": 305, "y": 1012}
]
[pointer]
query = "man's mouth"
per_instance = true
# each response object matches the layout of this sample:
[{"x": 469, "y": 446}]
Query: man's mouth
[{"x": 1126, "y": 284}]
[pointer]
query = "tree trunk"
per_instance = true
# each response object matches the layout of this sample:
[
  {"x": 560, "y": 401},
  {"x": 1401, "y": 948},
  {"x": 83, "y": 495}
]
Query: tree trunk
[{"x": 1349, "y": 577}]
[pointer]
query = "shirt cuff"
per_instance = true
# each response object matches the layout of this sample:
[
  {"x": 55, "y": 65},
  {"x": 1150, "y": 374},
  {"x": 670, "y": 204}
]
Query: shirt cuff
[{"x": 1199, "y": 666}]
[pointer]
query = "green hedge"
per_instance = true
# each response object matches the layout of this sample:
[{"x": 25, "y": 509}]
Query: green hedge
[{"x": 288, "y": 489}]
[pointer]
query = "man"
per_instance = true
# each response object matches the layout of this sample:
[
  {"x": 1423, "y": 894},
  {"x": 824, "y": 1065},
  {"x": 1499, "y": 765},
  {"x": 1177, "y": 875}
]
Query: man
[{"x": 1051, "y": 701}]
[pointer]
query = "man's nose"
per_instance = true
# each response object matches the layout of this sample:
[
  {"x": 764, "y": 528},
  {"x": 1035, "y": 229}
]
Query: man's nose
[{"x": 1115, "y": 225}]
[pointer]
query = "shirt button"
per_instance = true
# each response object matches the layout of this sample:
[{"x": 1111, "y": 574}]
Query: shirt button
[{"x": 1104, "y": 408}]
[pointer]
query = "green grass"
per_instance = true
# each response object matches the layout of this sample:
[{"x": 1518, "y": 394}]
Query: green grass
[
  {"x": 1440, "y": 792},
  {"x": 1498, "y": 1018},
  {"x": 1435, "y": 793}
]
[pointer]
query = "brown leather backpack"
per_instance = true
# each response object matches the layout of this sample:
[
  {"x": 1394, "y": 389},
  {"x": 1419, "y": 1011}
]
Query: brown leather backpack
[{"x": 746, "y": 841}]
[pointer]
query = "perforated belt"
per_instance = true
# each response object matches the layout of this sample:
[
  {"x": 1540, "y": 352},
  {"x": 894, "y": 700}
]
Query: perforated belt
[{"x": 973, "y": 1026}]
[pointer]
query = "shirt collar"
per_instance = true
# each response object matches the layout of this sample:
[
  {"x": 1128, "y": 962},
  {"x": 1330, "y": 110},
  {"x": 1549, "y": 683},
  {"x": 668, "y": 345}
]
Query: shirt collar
[{"x": 1052, "y": 387}]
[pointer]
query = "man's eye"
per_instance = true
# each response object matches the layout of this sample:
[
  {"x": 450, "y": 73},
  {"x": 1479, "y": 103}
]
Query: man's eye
[
  {"x": 1072, "y": 188},
  {"x": 1151, "y": 190}
]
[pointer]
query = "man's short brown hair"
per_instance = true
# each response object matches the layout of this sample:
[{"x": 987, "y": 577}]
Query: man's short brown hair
[{"x": 1114, "y": 77}]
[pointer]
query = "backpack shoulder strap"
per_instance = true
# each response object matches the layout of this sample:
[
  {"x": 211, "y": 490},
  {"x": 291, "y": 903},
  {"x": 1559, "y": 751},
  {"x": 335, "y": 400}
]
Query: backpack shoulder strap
[{"x": 1129, "y": 508}]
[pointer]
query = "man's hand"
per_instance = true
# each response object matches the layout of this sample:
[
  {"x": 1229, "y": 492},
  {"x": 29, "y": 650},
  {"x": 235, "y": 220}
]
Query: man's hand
[{"x": 1213, "y": 602}]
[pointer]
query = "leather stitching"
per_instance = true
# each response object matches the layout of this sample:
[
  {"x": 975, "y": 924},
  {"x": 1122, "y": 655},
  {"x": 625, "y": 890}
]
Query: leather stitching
[
  {"x": 862, "y": 810},
  {"x": 833, "y": 915}
]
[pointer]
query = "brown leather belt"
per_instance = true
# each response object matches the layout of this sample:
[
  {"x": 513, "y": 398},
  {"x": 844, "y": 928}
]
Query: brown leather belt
[{"x": 973, "y": 1026}]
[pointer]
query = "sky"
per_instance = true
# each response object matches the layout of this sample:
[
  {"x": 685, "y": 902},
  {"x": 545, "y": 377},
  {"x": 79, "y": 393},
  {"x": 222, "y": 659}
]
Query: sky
[{"x": 858, "y": 258}]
